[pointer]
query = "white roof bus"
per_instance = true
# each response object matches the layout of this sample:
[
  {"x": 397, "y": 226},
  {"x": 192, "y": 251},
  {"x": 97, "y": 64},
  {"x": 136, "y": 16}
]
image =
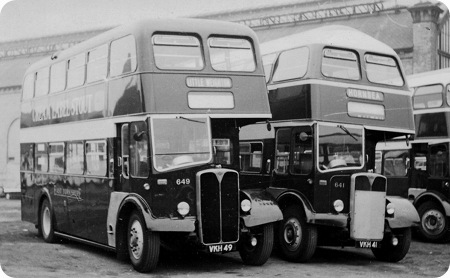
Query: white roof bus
[
  {"x": 130, "y": 139},
  {"x": 334, "y": 92},
  {"x": 427, "y": 181}
]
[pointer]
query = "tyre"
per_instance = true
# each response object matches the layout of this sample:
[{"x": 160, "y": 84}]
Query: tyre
[
  {"x": 391, "y": 253},
  {"x": 46, "y": 222},
  {"x": 297, "y": 239},
  {"x": 143, "y": 245},
  {"x": 260, "y": 253},
  {"x": 434, "y": 225}
]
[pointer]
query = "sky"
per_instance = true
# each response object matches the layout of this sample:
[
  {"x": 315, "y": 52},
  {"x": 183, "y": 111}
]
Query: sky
[
  {"x": 22, "y": 19},
  {"x": 35, "y": 18}
]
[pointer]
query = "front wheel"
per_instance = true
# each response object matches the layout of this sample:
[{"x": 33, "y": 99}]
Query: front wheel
[
  {"x": 297, "y": 239},
  {"x": 46, "y": 223},
  {"x": 257, "y": 254},
  {"x": 434, "y": 225},
  {"x": 394, "y": 253},
  {"x": 143, "y": 245}
]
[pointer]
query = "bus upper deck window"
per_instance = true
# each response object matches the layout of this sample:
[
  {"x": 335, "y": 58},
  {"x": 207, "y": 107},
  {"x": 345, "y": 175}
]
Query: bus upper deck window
[
  {"x": 58, "y": 77},
  {"x": 383, "y": 70},
  {"x": 174, "y": 52},
  {"x": 123, "y": 56},
  {"x": 76, "y": 71},
  {"x": 42, "y": 82},
  {"x": 447, "y": 89},
  {"x": 428, "y": 96},
  {"x": 291, "y": 64},
  {"x": 229, "y": 54},
  {"x": 342, "y": 64},
  {"x": 97, "y": 64},
  {"x": 268, "y": 61},
  {"x": 28, "y": 86}
]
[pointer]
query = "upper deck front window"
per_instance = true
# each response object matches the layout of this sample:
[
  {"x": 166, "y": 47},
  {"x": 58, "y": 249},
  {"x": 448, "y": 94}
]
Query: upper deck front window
[
  {"x": 173, "y": 52},
  {"x": 428, "y": 97},
  {"x": 229, "y": 54},
  {"x": 383, "y": 70},
  {"x": 291, "y": 64},
  {"x": 340, "y": 147},
  {"x": 179, "y": 142},
  {"x": 342, "y": 64}
]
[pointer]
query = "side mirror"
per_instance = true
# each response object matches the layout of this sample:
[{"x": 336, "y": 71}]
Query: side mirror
[
  {"x": 138, "y": 136},
  {"x": 304, "y": 136}
]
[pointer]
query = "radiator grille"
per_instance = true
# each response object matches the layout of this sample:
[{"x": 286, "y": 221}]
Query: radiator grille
[{"x": 219, "y": 206}]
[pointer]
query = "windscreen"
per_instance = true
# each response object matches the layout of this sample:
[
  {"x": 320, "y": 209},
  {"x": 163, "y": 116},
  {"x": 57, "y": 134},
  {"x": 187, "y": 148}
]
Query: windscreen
[
  {"x": 340, "y": 147},
  {"x": 180, "y": 142}
]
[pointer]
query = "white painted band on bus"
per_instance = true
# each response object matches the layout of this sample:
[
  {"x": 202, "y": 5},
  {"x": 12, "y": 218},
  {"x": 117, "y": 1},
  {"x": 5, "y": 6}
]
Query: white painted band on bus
[
  {"x": 339, "y": 84},
  {"x": 103, "y": 128}
]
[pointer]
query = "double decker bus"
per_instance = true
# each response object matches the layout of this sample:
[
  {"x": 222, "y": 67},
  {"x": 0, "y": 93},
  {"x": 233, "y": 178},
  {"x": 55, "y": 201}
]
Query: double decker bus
[
  {"x": 129, "y": 141},
  {"x": 420, "y": 170},
  {"x": 334, "y": 93}
]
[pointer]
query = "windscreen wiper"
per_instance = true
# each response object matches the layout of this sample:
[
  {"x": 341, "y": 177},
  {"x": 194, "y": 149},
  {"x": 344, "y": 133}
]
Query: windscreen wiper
[{"x": 348, "y": 132}]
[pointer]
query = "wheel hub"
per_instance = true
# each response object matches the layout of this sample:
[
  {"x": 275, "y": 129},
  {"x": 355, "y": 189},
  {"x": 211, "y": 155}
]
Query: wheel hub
[
  {"x": 433, "y": 222},
  {"x": 136, "y": 242},
  {"x": 292, "y": 234}
]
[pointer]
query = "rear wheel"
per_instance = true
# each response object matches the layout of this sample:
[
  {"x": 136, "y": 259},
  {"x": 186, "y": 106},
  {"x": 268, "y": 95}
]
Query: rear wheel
[
  {"x": 297, "y": 239},
  {"x": 46, "y": 223},
  {"x": 434, "y": 225},
  {"x": 394, "y": 253},
  {"x": 260, "y": 253},
  {"x": 143, "y": 245}
]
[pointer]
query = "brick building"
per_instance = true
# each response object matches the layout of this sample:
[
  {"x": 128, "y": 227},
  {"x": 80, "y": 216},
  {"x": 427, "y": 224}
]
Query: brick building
[{"x": 418, "y": 32}]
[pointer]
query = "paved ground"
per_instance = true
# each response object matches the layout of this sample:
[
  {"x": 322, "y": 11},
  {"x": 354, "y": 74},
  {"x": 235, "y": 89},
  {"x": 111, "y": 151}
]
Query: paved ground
[{"x": 24, "y": 254}]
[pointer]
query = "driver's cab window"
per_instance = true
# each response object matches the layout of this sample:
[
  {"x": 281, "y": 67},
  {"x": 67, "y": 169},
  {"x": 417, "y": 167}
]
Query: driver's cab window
[
  {"x": 438, "y": 162},
  {"x": 283, "y": 142},
  {"x": 302, "y": 151},
  {"x": 139, "y": 155},
  {"x": 124, "y": 161}
]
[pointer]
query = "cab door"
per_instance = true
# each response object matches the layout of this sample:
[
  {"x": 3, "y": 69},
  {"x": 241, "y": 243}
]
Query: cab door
[
  {"x": 124, "y": 158},
  {"x": 294, "y": 159},
  {"x": 438, "y": 168}
]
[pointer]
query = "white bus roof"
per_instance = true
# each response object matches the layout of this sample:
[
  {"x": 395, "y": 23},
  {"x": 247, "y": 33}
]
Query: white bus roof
[
  {"x": 441, "y": 76},
  {"x": 333, "y": 35}
]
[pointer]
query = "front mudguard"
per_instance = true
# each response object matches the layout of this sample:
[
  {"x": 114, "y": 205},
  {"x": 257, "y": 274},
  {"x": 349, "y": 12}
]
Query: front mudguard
[
  {"x": 405, "y": 214},
  {"x": 264, "y": 208}
]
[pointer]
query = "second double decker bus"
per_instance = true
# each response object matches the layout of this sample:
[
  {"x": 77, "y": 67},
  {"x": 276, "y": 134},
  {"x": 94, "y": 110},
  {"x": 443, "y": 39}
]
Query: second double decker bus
[
  {"x": 334, "y": 93},
  {"x": 420, "y": 170},
  {"x": 129, "y": 141}
]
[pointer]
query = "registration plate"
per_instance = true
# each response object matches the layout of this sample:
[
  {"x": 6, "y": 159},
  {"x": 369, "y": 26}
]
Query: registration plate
[
  {"x": 368, "y": 244},
  {"x": 221, "y": 248}
]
